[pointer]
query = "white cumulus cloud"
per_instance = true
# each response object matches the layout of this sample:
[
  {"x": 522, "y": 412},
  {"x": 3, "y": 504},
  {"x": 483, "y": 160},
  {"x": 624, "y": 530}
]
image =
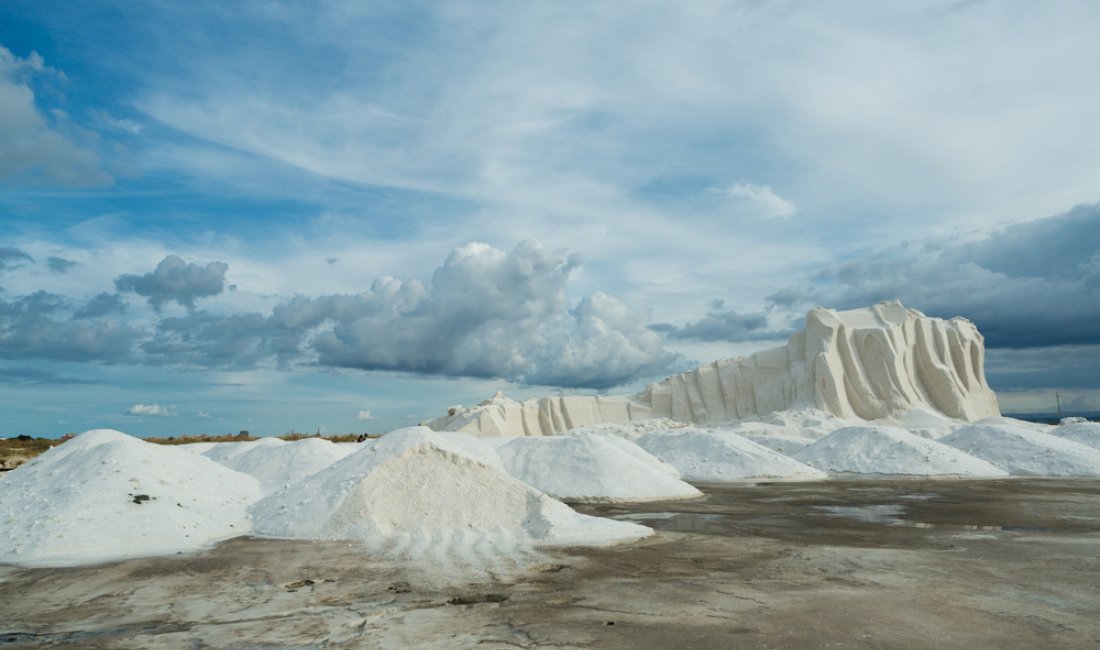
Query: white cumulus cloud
[
  {"x": 151, "y": 409},
  {"x": 759, "y": 200},
  {"x": 365, "y": 415}
]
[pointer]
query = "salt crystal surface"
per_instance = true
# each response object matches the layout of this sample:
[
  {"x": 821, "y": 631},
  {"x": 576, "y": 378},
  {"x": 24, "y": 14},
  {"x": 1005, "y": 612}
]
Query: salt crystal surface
[
  {"x": 706, "y": 455},
  {"x": 224, "y": 451},
  {"x": 276, "y": 466},
  {"x": 884, "y": 451},
  {"x": 105, "y": 495},
  {"x": 589, "y": 468},
  {"x": 1086, "y": 433},
  {"x": 417, "y": 493},
  {"x": 1025, "y": 452}
]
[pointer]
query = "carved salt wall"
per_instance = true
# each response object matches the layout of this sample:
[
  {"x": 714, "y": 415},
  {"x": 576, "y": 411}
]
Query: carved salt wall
[{"x": 866, "y": 363}]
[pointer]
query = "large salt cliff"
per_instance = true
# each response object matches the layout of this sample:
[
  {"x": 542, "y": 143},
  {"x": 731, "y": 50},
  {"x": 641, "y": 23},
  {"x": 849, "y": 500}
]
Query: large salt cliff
[{"x": 863, "y": 363}]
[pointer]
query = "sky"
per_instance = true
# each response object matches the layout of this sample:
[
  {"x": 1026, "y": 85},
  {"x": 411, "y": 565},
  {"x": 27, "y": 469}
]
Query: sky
[{"x": 348, "y": 216}]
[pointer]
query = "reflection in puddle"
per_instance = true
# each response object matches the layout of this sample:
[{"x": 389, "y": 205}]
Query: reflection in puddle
[
  {"x": 875, "y": 514},
  {"x": 887, "y": 514}
]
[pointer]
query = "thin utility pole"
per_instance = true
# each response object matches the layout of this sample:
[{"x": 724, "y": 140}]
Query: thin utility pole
[{"x": 1058, "y": 401}]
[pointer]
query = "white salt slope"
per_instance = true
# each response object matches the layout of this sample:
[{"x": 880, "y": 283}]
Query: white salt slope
[
  {"x": 416, "y": 494},
  {"x": 777, "y": 442},
  {"x": 276, "y": 466},
  {"x": 78, "y": 445},
  {"x": 198, "y": 447},
  {"x": 702, "y": 455},
  {"x": 640, "y": 455},
  {"x": 225, "y": 451},
  {"x": 588, "y": 468},
  {"x": 76, "y": 504},
  {"x": 1023, "y": 452},
  {"x": 883, "y": 451},
  {"x": 1086, "y": 433}
]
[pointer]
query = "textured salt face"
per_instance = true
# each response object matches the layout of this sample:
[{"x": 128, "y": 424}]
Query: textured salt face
[
  {"x": 702, "y": 455},
  {"x": 783, "y": 444},
  {"x": 276, "y": 466},
  {"x": 111, "y": 496},
  {"x": 223, "y": 452},
  {"x": 888, "y": 451},
  {"x": 1025, "y": 452},
  {"x": 640, "y": 455},
  {"x": 868, "y": 364},
  {"x": 413, "y": 494},
  {"x": 587, "y": 468},
  {"x": 79, "y": 445},
  {"x": 1086, "y": 433},
  {"x": 198, "y": 447}
]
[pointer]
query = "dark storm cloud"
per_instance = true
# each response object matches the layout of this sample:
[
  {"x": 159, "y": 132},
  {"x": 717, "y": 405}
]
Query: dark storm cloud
[
  {"x": 11, "y": 257},
  {"x": 34, "y": 327},
  {"x": 60, "y": 264},
  {"x": 1059, "y": 367},
  {"x": 101, "y": 305},
  {"x": 36, "y": 376},
  {"x": 725, "y": 325},
  {"x": 1034, "y": 284},
  {"x": 208, "y": 340},
  {"x": 176, "y": 281}
]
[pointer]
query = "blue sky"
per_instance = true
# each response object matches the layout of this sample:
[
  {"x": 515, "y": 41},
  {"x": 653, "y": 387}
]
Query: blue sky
[{"x": 284, "y": 216}]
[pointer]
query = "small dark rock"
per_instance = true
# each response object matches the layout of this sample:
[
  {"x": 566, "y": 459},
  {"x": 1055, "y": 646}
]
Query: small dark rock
[
  {"x": 141, "y": 498},
  {"x": 400, "y": 587},
  {"x": 294, "y": 586},
  {"x": 473, "y": 599}
]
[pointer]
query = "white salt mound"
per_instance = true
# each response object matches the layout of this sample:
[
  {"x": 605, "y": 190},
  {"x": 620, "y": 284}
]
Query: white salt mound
[
  {"x": 276, "y": 466},
  {"x": 198, "y": 447},
  {"x": 462, "y": 443},
  {"x": 589, "y": 468},
  {"x": 1025, "y": 452},
  {"x": 223, "y": 452},
  {"x": 882, "y": 451},
  {"x": 702, "y": 455},
  {"x": 641, "y": 455},
  {"x": 783, "y": 444},
  {"x": 78, "y": 445},
  {"x": 1086, "y": 433},
  {"x": 415, "y": 493},
  {"x": 105, "y": 496}
]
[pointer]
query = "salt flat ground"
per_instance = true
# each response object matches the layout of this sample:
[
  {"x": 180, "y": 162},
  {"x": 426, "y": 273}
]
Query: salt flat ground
[{"x": 837, "y": 564}]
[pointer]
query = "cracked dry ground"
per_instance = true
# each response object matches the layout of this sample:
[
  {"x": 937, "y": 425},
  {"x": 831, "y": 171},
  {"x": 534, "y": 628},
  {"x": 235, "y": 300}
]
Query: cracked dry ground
[{"x": 838, "y": 564}]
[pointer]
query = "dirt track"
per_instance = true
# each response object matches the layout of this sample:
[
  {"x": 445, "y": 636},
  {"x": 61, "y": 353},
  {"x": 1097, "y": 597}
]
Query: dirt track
[{"x": 898, "y": 564}]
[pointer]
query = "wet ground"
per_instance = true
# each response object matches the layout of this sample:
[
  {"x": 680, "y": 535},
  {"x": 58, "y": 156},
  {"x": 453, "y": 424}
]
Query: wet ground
[{"x": 839, "y": 564}]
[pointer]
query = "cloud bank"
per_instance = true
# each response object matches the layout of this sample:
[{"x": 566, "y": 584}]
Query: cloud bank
[
  {"x": 484, "y": 313},
  {"x": 1031, "y": 284}
]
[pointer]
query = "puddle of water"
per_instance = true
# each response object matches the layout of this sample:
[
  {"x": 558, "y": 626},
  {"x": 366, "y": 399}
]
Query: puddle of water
[
  {"x": 924, "y": 496},
  {"x": 874, "y": 514},
  {"x": 685, "y": 522},
  {"x": 645, "y": 516}
]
